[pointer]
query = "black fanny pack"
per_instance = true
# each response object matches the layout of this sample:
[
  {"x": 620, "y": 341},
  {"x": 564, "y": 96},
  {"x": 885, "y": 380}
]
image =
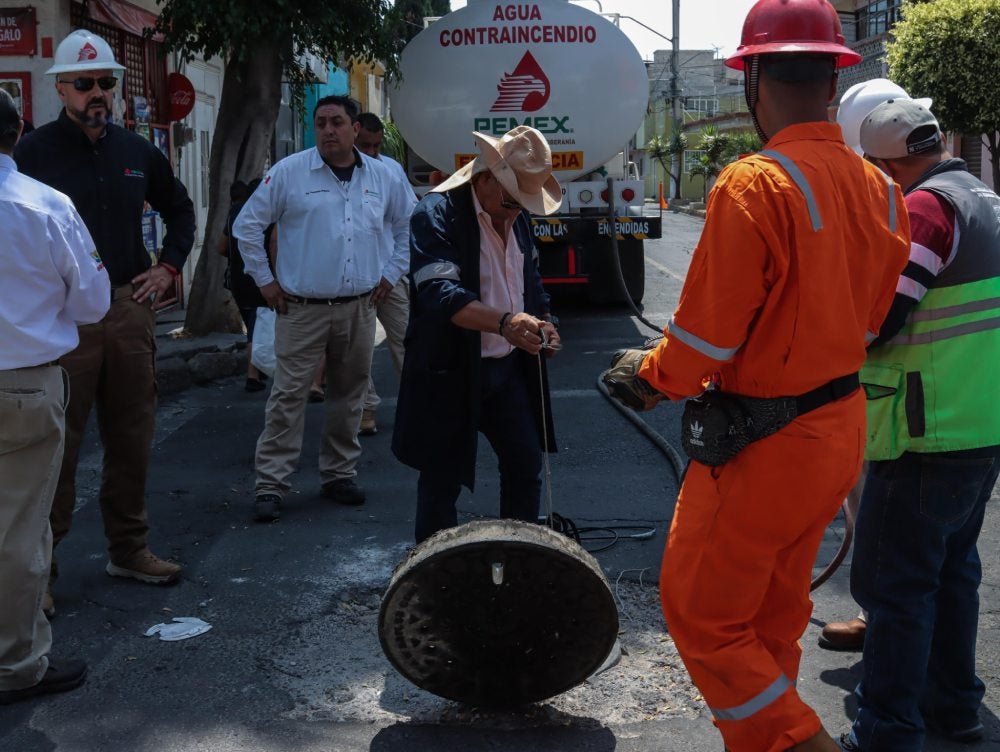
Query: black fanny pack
[{"x": 716, "y": 426}]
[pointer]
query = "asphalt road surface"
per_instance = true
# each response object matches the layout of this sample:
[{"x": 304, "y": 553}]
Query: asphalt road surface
[{"x": 292, "y": 661}]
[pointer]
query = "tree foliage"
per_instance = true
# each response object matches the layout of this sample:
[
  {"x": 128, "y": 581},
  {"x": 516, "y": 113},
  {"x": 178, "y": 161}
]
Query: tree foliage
[
  {"x": 668, "y": 149},
  {"x": 948, "y": 50},
  {"x": 260, "y": 41},
  {"x": 716, "y": 146},
  {"x": 410, "y": 14}
]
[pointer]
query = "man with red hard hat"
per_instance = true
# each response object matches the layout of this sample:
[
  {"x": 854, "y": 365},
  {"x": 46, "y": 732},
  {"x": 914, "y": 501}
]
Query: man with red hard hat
[{"x": 793, "y": 275}]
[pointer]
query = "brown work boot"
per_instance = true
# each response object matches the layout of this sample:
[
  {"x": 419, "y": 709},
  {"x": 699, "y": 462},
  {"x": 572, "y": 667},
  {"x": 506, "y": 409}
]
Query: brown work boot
[
  {"x": 48, "y": 603},
  {"x": 146, "y": 567},
  {"x": 368, "y": 427},
  {"x": 843, "y": 635}
]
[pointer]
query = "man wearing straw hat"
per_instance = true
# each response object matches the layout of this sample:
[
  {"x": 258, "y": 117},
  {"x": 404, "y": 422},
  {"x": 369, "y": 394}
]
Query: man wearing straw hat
[{"x": 478, "y": 324}]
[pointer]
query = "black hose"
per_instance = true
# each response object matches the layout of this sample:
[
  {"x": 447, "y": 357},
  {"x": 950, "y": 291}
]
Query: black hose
[{"x": 677, "y": 462}]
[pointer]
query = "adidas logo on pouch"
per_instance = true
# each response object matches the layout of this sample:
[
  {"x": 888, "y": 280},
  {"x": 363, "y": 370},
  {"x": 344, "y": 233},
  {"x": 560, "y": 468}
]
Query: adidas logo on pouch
[{"x": 696, "y": 430}]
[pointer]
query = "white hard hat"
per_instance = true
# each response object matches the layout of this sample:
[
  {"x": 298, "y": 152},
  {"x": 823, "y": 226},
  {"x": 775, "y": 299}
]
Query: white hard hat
[
  {"x": 82, "y": 51},
  {"x": 861, "y": 99}
]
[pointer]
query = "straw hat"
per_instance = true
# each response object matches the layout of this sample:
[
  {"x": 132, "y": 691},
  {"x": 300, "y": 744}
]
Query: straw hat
[{"x": 521, "y": 161}]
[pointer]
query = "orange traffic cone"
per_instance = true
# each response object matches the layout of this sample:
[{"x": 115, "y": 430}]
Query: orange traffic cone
[{"x": 663, "y": 201}]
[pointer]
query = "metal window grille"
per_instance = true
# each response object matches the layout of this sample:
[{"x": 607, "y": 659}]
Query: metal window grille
[{"x": 145, "y": 67}]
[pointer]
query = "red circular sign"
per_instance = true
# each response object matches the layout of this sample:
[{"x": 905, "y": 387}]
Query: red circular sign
[{"x": 181, "y": 92}]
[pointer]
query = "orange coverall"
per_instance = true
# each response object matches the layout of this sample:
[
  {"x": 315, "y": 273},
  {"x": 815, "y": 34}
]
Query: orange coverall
[{"x": 792, "y": 276}]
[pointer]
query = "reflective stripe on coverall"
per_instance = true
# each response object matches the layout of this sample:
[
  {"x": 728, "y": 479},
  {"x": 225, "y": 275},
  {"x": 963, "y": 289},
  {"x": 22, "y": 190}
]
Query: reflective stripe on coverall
[{"x": 794, "y": 273}]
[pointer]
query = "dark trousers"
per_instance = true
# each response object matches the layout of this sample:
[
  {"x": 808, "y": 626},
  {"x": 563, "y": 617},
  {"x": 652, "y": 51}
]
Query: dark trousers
[
  {"x": 112, "y": 369},
  {"x": 916, "y": 571},
  {"x": 506, "y": 420}
]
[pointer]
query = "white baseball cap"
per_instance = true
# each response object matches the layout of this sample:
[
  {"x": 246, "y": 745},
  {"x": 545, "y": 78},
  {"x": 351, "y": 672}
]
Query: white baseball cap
[{"x": 899, "y": 128}]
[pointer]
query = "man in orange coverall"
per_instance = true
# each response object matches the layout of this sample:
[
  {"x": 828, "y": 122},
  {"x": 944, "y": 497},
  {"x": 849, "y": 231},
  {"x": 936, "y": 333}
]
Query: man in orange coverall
[{"x": 794, "y": 273}]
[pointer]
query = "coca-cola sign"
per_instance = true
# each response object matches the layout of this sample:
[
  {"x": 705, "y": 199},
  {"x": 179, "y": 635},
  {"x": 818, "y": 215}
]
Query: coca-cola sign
[{"x": 181, "y": 92}]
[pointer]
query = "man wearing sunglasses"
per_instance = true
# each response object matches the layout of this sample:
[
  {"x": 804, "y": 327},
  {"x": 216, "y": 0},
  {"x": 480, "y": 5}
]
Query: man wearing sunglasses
[
  {"x": 479, "y": 318},
  {"x": 110, "y": 173}
]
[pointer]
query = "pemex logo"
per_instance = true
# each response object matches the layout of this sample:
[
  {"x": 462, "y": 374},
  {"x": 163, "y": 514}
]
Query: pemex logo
[
  {"x": 524, "y": 90},
  {"x": 87, "y": 52}
]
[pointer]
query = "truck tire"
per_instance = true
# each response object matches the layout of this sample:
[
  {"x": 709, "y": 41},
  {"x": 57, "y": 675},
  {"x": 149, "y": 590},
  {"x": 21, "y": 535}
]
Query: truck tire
[{"x": 603, "y": 287}]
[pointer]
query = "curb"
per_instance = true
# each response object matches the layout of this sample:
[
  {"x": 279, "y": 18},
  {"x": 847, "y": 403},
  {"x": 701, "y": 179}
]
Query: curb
[{"x": 195, "y": 361}]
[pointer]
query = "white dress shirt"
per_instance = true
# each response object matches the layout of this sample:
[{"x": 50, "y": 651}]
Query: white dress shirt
[
  {"x": 52, "y": 277},
  {"x": 388, "y": 244},
  {"x": 331, "y": 235}
]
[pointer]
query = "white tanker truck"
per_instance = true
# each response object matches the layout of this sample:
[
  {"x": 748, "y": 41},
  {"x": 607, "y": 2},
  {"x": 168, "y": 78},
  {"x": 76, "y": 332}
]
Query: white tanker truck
[{"x": 572, "y": 74}]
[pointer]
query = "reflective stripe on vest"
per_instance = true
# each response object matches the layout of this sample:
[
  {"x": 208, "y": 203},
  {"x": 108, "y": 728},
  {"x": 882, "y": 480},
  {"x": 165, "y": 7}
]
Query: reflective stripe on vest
[
  {"x": 803, "y": 185},
  {"x": 755, "y": 704},
  {"x": 440, "y": 270},
  {"x": 934, "y": 386},
  {"x": 949, "y": 312},
  {"x": 697, "y": 343}
]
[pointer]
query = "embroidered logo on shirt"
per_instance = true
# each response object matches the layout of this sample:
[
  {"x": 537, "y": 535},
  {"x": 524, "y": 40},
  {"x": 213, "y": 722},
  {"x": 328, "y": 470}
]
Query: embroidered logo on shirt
[
  {"x": 373, "y": 194},
  {"x": 130, "y": 173},
  {"x": 97, "y": 259}
]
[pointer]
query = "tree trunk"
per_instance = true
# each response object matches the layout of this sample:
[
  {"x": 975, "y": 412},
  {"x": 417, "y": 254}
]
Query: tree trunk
[
  {"x": 994, "y": 148},
  {"x": 251, "y": 96}
]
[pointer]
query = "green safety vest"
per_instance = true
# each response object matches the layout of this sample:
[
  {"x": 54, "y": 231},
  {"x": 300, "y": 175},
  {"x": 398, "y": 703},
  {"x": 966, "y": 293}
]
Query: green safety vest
[{"x": 935, "y": 386}]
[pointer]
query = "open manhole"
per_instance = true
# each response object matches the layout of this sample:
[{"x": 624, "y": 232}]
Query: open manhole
[{"x": 498, "y": 612}]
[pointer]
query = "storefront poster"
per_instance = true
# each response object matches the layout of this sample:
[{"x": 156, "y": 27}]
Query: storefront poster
[
  {"x": 18, "y": 85},
  {"x": 18, "y": 31}
]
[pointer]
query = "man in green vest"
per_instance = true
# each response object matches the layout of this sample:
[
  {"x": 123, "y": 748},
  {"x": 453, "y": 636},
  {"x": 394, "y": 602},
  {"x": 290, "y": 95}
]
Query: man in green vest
[{"x": 933, "y": 384}]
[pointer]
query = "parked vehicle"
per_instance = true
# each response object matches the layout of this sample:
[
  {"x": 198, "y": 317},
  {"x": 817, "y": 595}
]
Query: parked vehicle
[{"x": 572, "y": 74}]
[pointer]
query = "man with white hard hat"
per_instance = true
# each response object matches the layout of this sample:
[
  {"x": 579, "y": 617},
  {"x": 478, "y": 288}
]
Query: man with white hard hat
[
  {"x": 861, "y": 99},
  {"x": 933, "y": 446},
  {"x": 110, "y": 173}
]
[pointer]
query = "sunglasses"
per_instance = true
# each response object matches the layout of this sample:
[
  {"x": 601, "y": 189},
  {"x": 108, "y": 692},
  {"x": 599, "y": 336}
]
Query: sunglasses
[
  {"x": 86, "y": 83},
  {"x": 507, "y": 202}
]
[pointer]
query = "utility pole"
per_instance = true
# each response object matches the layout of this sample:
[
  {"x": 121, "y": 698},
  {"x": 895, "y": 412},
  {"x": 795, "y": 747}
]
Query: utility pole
[{"x": 675, "y": 93}]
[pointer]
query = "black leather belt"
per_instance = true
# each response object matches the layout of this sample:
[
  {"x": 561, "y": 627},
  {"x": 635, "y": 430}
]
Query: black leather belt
[{"x": 326, "y": 301}]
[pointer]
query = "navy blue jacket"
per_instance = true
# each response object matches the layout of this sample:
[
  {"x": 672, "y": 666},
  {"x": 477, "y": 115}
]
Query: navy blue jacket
[{"x": 437, "y": 413}]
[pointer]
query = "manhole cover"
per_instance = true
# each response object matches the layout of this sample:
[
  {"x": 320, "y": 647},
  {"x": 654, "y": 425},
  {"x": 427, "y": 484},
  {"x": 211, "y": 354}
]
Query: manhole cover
[{"x": 498, "y": 612}]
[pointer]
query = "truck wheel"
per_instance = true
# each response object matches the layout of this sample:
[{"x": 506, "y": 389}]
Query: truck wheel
[{"x": 633, "y": 260}]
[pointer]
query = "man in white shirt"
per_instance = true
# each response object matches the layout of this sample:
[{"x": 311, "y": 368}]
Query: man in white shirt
[
  {"x": 53, "y": 280},
  {"x": 394, "y": 310},
  {"x": 332, "y": 207}
]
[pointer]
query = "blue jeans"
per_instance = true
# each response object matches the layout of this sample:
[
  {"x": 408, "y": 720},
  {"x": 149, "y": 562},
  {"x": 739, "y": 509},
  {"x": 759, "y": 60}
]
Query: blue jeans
[
  {"x": 507, "y": 421},
  {"x": 916, "y": 571}
]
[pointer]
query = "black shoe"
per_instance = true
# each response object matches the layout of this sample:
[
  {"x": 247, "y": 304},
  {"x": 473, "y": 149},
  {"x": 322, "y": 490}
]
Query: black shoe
[
  {"x": 344, "y": 491},
  {"x": 61, "y": 676},
  {"x": 254, "y": 385},
  {"x": 266, "y": 508}
]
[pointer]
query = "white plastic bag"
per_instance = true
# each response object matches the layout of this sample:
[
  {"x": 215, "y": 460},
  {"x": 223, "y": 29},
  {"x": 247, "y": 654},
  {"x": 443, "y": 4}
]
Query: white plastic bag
[
  {"x": 263, "y": 356},
  {"x": 181, "y": 628}
]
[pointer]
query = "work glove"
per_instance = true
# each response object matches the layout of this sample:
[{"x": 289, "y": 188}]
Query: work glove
[{"x": 623, "y": 381}]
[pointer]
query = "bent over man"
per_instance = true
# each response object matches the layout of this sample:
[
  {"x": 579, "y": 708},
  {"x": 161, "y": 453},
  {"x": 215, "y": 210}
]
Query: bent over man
[
  {"x": 110, "y": 173},
  {"x": 794, "y": 272},
  {"x": 478, "y": 313}
]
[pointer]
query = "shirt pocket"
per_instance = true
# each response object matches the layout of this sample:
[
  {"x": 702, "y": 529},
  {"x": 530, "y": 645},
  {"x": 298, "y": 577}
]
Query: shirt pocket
[{"x": 372, "y": 211}]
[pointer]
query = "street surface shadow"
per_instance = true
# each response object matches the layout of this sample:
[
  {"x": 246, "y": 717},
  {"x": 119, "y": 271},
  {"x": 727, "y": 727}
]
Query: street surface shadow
[{"x": 405, "y": 737}]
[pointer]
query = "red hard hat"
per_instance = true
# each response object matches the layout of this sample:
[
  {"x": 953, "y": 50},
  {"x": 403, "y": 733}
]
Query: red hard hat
[{"x": 807, "y": 26}]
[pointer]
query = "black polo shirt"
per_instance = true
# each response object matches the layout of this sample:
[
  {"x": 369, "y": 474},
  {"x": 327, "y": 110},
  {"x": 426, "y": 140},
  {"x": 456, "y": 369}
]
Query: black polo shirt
[{"x": 108, "y": 182}]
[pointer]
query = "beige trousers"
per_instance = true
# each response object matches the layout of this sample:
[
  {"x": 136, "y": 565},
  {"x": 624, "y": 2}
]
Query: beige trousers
[
  {"x": 32, "y": 414},
  {"x": 346, "y": 333},
  {"x": 394, "y": 313}
]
